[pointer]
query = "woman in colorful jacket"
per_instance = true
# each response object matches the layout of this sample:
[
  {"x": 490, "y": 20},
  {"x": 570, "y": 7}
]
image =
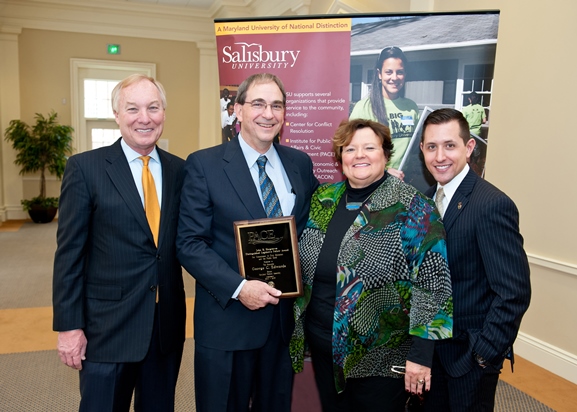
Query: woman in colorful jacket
[{"x": 377, "y": 290}]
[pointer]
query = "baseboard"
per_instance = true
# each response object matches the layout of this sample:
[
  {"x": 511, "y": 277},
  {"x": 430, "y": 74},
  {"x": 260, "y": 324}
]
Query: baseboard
[
  {"x": 16, "y": 214},
  {"x": 13, "y": 212},
  {"x": 555, "y": 360}
]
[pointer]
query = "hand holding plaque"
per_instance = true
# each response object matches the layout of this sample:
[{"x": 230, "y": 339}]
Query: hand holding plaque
[
  {"x": 267, "y": 250},
  {"x": 255, "y": 295}
]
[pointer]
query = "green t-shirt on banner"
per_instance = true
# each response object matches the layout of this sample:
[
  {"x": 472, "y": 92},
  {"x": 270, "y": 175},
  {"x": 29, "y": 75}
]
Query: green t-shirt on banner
[
  {"x": 403, "y": 115},
  {"x": 474, "y": 113}
]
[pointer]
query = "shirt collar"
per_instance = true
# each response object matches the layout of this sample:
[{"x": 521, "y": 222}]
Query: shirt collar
[
  {"x": 252, "y": 155},
  {"x": 132, "y": 155},
  {"x": 451, "y": 187}
]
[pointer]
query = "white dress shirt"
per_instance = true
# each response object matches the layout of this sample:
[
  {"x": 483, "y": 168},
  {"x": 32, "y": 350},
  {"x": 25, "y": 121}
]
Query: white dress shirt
[
  {"x": 276, "y": 173},
  {"x": 451, "y": 187},
  {"x": 136, "y": 168}
]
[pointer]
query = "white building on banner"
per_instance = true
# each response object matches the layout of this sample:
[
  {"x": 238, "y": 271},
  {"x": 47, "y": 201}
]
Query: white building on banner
[{"x": 449, "y": 55}]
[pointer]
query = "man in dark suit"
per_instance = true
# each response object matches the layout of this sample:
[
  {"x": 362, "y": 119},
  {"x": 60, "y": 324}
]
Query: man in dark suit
[
  {"x": 241, "y": 327},
  {"x": 489, "y": 270},
  {"x": 118, "y": 293}
]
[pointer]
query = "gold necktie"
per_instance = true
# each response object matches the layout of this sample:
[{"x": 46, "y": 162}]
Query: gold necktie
[
  {"x": 439, "y": 200},
  {"x": 151, "y": 206}
]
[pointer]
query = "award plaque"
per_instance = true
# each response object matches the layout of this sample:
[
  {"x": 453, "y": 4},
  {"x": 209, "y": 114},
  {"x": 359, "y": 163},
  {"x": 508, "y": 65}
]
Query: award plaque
[{"x": 267, "y": 250}]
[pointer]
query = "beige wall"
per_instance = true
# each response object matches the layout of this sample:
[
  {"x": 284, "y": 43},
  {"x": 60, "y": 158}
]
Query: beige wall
[
  {"x": 45, "y": 76},
  {"x": 45, "y": 82},
  {"x": 531, "y": 157},
  {"x": 531, "y": 150}
]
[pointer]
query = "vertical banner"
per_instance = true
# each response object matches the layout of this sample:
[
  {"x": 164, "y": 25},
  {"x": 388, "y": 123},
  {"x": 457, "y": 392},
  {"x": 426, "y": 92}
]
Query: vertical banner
[
  {"x": 312, "y": 58},
  {"x": 394, "y": 69}
]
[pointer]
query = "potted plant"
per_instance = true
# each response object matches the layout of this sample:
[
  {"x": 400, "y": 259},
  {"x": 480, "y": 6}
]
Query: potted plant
[{"x": 41, "y": 147}]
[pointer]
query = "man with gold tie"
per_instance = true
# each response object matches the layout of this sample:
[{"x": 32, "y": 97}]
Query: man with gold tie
[{"x": 118, "y": 294}]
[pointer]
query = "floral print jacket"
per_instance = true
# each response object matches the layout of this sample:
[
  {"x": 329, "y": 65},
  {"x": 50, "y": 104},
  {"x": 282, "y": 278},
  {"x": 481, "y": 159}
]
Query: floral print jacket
[{"x": 392, "y": 279}]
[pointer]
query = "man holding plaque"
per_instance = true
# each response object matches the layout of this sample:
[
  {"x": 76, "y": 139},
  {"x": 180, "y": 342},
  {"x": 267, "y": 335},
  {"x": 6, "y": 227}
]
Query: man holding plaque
[{"x": 241, "y": 327}]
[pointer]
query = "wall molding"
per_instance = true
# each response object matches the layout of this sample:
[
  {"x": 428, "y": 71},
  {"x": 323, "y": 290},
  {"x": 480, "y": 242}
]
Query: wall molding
[
  {"x": 547, "y": 356},
  {"x": 564, "y": 267}
]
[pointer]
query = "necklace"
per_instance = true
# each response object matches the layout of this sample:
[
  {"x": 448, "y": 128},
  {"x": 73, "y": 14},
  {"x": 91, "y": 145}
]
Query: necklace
[{"x": 354, "y": 205}]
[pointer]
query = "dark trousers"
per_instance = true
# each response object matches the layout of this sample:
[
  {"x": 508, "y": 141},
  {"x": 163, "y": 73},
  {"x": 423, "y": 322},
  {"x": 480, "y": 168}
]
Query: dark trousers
[
  {"x": 259, "y": 380},
  {"x": 472, "y": 392},
  {"x": 373, "y": 393},
  {"x": 109, "y": 386}
]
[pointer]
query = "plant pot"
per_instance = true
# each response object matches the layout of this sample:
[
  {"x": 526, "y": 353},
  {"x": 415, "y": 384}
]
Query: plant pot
[{"x": 41, "y": 214}]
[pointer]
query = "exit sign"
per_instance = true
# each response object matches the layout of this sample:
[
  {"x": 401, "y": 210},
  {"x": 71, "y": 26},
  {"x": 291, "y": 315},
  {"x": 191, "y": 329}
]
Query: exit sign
[{"x": 113, "y": 48}]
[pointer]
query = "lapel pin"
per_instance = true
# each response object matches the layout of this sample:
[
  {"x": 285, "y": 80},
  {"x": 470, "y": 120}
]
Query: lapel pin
[{"x": 459, "y": 205}]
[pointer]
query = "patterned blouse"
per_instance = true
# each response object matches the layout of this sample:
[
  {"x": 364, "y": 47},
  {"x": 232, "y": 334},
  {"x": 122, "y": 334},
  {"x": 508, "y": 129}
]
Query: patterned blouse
[{"x": 392, "y": 279}]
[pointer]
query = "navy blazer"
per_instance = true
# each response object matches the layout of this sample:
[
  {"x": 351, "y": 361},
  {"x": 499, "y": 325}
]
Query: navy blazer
[
  {"x": 489, "y": 275},
  {"x": 107, "y": 265},
  {"x": 218, "y": 190}
]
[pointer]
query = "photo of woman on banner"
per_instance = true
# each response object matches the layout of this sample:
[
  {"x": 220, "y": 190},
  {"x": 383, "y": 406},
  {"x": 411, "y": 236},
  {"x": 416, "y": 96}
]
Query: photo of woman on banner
[{"x": 386, "y": 103}]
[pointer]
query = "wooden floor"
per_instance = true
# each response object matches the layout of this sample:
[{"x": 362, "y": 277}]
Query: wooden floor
[
  {"x": 11, "y": 225},
  {"x": 34, "y": 328},
  {"x": 546, "y": 387}
]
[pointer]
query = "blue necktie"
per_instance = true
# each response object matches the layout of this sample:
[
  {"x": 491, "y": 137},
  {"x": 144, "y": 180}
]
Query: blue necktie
[{"x": 269, "y": 197}]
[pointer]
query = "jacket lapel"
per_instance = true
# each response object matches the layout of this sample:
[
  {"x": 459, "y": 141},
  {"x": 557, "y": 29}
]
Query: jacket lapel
[
  {"x": 119, "y": 173},
  {"x": 240, "y": 178},
  {"x": 293, "y": 174},
  {"x": 460, "y": 199},
  {"x": 169, "y": 177}
]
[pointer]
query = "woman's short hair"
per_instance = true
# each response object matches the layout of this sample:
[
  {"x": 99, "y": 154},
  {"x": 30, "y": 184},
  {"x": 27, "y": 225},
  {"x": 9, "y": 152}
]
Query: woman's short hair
[
  {"x": 347, "y": 129},
  {"x": 132, "y": 79}
]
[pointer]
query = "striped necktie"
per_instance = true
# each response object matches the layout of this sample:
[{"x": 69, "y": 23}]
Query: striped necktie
[{"x": 269, "y": 197}]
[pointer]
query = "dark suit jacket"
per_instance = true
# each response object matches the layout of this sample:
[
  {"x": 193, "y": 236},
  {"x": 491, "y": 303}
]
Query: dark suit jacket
[
  {"x": 217, "y": 191},
  {"x": 489, "y": 275},
  {"x": 107, "y": 265}
]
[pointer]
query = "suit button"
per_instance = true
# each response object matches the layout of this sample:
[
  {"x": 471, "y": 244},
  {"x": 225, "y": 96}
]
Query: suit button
[
  {"x": 153, "y": 288},
  {"x": 157, "y": 257}
]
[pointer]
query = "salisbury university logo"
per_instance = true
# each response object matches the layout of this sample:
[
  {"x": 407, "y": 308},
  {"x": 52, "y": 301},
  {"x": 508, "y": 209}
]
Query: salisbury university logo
[{"x": 254, "y": 56}]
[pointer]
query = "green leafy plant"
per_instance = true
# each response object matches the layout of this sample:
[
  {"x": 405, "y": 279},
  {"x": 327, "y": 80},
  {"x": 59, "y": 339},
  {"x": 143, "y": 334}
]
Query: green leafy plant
[{"x": 43, "y": 147}]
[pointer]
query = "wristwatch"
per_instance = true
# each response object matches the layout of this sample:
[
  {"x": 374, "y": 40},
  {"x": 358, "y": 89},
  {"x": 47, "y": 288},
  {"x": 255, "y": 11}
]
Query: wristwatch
[{"x": 480, "y": 360}]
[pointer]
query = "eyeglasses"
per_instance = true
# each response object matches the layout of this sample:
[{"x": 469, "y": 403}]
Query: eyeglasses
[{"x": 259, "y": 105}]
